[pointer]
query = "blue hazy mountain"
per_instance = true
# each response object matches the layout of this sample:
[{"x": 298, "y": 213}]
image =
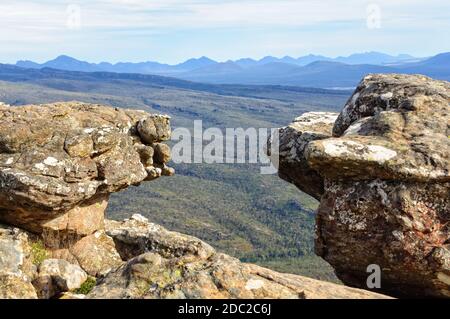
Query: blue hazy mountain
[
  {"x": 193, "y": 64},
  {"x": 306, "y": 71},
  {"x": 65, "y": 62},
  {"x": 376, "y": 58},
  {"x": 322, "y": 74}
]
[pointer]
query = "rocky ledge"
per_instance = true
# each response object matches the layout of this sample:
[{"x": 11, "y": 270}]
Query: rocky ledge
[
  {"x": 147, "y": 261},
  {"x": 58, "y": 165},
  {"x": 381, "y": 170}
]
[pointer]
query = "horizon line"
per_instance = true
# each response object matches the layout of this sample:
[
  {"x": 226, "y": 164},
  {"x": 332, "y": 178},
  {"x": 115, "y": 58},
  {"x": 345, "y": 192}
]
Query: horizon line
[{"x": 224, "y": 61}]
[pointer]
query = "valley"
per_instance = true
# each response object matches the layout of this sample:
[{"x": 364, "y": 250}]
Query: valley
[{"x": 257, "y": 218}]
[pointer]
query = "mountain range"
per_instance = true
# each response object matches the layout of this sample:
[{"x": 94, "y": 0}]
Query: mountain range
[{"x": 307, "y": 71}]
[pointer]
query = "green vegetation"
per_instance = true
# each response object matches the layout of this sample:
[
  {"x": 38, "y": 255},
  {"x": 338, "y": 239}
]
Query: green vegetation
[
  {"x": 310, "y": 266},
  {"x": 38, "y": 252},
  {"x": 87, "y": 286},
  {"x": 257, "y": 218}
]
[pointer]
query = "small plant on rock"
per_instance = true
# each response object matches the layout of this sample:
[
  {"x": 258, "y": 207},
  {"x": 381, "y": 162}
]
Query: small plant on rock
[
  {"x": 87, "y": 286},
  {"x": 38, "y": 252}
]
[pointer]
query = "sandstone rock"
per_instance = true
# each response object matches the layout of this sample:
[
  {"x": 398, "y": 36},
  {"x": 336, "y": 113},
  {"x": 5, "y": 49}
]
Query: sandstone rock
[
  {"x": 16, "y": 267},
  {"x": 136, "y": 236},
  {"x": 386, "y": 197},
  {"x": 15, "y": 252},
  {"x": 96, "y": 254},
  {"x": 65, "y": 230},
  {"x": 393, "y": 127},
  {"x": 16, "y": 287},
  {"x": 172, "y": 265},
  {"x": 154, "y": 129},
  {"x": 56, "y": 276},
  {"x": 63, "y": 157}
]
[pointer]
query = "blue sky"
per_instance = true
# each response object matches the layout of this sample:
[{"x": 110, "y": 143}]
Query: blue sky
[{"x": 172, "y": 31}]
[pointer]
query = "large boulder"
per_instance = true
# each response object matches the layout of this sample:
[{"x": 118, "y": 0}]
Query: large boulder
[
  {"x": 385, "y": 167},
  {"x": 165, "y": 264},
  {"x": 59, "y": 163}
]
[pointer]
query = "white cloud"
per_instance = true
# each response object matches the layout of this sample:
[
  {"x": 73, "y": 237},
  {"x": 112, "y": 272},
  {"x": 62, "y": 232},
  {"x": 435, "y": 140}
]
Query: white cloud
[
  {"x": 27, "y": 22},
  {"x": 197, "y": 13}
]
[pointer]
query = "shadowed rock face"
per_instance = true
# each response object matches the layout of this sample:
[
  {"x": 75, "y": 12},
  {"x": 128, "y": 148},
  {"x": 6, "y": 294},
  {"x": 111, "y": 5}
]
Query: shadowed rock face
[
  {"x": 63, "y": 160},
  {"x": 385, "y": 169}
]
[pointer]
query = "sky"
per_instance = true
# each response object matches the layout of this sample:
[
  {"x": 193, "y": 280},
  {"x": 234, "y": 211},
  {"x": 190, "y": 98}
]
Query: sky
[{"x": 171, "y": 31}]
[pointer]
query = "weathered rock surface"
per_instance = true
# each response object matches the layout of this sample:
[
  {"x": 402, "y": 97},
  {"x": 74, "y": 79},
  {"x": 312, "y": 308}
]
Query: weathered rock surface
[
  {"x": 96, "y": 254},
  {"x": 16, "y": 266},
  {"x": 172, "y": 265},
  {"x": 386, "y": 177},
  {"x": 55, "y": 157},
  {"x": 157, "y": 263},
  {"x": 59, "y": 163},
  {"x": 293, "y": 166},
  {"x": 56, "y": 276}
]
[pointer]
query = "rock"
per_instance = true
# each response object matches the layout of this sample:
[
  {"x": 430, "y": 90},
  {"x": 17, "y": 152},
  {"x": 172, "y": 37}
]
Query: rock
[
  {"x": 293, "y": 166},
  {"x": 56, "y": 276},
  {"x": 66, "y": 158},
  {"x": 394, "y": 127},
  {"x": 154, "y": 129},
  {"x": 83, "y": 220},
  {"x": 15, "y": 252},
  {"x": 71, "y": 296},
  {"x": 96, "y": 254},
  {"x": 59, "y": 163},
  {"x": 16, "y": 265},
  {"x": 172, "y": 265},
  {"x": 16, "y": 287},
  {"x": 162, "y": 153},
  {"x": 386, "y": 196}
]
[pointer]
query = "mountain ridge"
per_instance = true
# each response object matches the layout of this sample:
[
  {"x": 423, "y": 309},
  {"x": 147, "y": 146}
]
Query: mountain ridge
[
  {"x": 356, "y": 58},
  {"x": 320, "y": 72}
]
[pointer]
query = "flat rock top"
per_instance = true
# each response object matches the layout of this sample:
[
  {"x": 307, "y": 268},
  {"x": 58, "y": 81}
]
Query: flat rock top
[
  {"x": 55, "y": 156},
  {"x": 393, "y": 127}
]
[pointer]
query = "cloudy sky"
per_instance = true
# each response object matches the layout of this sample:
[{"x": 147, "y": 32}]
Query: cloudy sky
[{"x": 171, "y": 31}]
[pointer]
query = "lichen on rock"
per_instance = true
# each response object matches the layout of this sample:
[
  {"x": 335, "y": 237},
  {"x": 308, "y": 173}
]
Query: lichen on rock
[
  {"x": 59, "y": 163},
  {"x": 382, "y": 174}
]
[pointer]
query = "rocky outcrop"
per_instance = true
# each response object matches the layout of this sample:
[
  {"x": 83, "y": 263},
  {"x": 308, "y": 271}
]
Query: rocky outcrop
[
  {"x": 164, "y": 264},
  {"x": 385, "y": 169},
  {"x": 16, "y": 264},
  {"x": 59, "y": 163}
]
